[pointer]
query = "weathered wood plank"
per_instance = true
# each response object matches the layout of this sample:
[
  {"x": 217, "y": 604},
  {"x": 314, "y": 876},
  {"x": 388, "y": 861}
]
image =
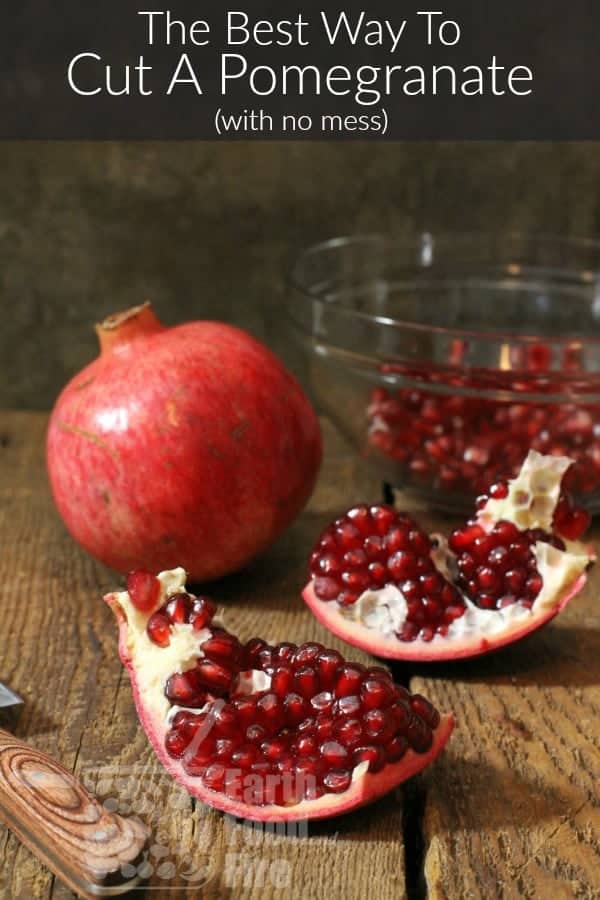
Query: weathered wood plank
[
  {"x": 58, "y": 649},
  {"x": 510, "y": 810},
  {"x": 513, "y": 808}
]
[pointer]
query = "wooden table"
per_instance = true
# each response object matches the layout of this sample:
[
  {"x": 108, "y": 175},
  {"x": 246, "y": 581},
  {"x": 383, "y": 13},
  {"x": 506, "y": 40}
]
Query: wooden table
[{"x": 510, "y": 810}]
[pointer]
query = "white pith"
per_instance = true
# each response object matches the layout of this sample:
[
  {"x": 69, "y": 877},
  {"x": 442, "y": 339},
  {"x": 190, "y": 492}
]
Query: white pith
[
  {"x": 531, "y": 501},
  {"x": 154, "y": 664}
]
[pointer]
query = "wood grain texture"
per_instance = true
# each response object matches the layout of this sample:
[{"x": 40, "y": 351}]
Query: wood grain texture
[
  {"x": 69, "y": 830},
  {"x": 510, "y": 809},
  {"x": 58, "y": 649},
  {"x": 513, "y": 809},
  {"x": 208, "y": 229}
]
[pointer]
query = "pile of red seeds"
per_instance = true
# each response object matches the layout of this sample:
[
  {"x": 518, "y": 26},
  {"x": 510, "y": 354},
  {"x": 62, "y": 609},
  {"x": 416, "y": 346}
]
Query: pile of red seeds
[
  {"x": 498, "y": 568},
  {"x": 373, "y": 546},
  {"x": 301, "y": 738},
  {"x": 460, "y": 444}
]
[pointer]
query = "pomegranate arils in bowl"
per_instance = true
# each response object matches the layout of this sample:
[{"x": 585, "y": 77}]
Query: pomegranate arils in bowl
[
  {"x": 401, "y": 594},
  {"x": 268, "y": 732}
]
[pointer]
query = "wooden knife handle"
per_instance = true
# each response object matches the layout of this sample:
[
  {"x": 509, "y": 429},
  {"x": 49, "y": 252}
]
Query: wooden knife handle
[{"x": 69, "y": 830}]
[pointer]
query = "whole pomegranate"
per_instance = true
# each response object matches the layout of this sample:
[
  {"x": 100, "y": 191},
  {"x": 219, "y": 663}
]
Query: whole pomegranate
[{"x": 189, "y": 445}]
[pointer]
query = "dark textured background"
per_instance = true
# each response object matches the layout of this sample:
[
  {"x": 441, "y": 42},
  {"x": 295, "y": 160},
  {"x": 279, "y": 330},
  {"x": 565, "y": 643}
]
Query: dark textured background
[{"x": 207, "y": 230}]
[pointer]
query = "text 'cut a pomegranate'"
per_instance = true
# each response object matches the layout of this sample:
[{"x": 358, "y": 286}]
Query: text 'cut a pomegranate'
[
  {"x": 382, "y": 584},
  {"x": 265, "y": 732}
]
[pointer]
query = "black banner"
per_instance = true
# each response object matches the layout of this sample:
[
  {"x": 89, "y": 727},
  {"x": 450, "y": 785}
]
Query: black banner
[{"x": 515, "y": 70}]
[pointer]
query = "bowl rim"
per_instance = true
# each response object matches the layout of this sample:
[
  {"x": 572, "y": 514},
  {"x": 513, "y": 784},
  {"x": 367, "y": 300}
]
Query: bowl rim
[{"x": 428, "y": 237}]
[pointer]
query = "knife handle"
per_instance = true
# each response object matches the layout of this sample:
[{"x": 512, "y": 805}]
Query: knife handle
[{"x": 63, "y": 825}]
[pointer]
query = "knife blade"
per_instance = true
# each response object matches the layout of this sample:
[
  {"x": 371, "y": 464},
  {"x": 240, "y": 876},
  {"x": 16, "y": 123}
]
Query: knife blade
[
  {"x": 67, "y": 828},
  {"x": 8, "y": 698}
]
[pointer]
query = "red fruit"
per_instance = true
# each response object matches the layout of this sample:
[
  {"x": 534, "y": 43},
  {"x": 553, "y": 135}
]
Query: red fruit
[
  {"x": 272, "y": 754},
  {"x": 159, "y": 629},
  {"x": 144, "y": 590},
  {"x": 441, "y": 601},
  {"x": 189, "y": 445},
  {"x": 459, "y": 440}
]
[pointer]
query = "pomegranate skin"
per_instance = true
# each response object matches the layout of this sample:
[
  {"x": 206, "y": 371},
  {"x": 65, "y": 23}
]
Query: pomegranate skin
[{"x": 188, "y": 445}]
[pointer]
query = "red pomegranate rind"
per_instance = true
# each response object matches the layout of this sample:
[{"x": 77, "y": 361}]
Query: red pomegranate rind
[
  {"x": 363, "y": 789},
  {"x": 185, "y": 445},
  {"x": 391, "y": 648}
]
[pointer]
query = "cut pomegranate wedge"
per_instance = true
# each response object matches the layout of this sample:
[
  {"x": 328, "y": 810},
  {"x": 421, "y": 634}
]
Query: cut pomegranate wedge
[
  {"x": 271, "y": 733},
  {"x": 382, "y": 584}
]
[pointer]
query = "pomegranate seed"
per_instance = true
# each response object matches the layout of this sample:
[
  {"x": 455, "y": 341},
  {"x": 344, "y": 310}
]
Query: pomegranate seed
[
  {"x": 265, "y": 659},
  {"x": 375, "y": 756},
  {"x": 214, "y": 776},
  {"x": 307, "y": 726},
  {"x": 216, "y": 677},
  {"x": 245, "y": 709},
  {"x": 347, "y": 707},
  {"x": 282, "y": 680},
  {"x": 514, "y": 580},
  {"x": 505, "y": 532},
  {"x": 176, "y": 744},
  {"x": 324, "y": 728},
  {"x": 333, "y": 753},
  {"x": 223, "y": 648},
  {"x": 349, "y": 732},
  {"x": 273, "y": 749},
  {"x": 178, "y": 608},
  {"x": 144, "y": 590},
  {"x": 374, "y": 547},
  {"x": 188, "y": 723},
  {"x": 349, "y": 680},
  {"x": 396, "y": 748},
  {"x": 356, "y": 582},
  {"x": 295, "y": 708},
  {"x": 419, "y": 736},
  {"x": 322, "y": 703},
  {"x": 225, "y": 721},
  {"x": 306, "y": 682},
  {"x": 360, "y": 517},
  {"x": 376, "y": 692},
  {"x": 337, "y": 781},
  {"x": 354, "y": 559},
  {"x": 425, "y": 710},
  {"x": 251, "y": 652},
  {"x": 348, "y": 537},
  {"x": 402, "y": 565},
  {"x": 328, "y": 564},
  {"x": 255, "y": 734},
  {"x": 183, "y": 688},
  {"x": 328, "y": 664},
  {"x": 534, "y": 585},
  {"x": 488, "y": 579},
  {"x": 224, "y": 749},
  {"x": 306, "y": 746},
  {"x": 159, "y": 629},
  {"x": 378, "y": 725},
  {"x": 270, "y": 712},
  {"x": 306, "y": 654},
  {"x": 244, "y": 756},
  {"x": 326, "y": 588},
  {"x": 284, "y": 652},
  {"x": 202, "y": 613}
]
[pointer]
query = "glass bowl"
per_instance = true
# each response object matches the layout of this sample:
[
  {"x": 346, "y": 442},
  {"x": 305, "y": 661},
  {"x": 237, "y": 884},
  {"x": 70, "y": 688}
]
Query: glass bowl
[{"x": 445, "y": 358}]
